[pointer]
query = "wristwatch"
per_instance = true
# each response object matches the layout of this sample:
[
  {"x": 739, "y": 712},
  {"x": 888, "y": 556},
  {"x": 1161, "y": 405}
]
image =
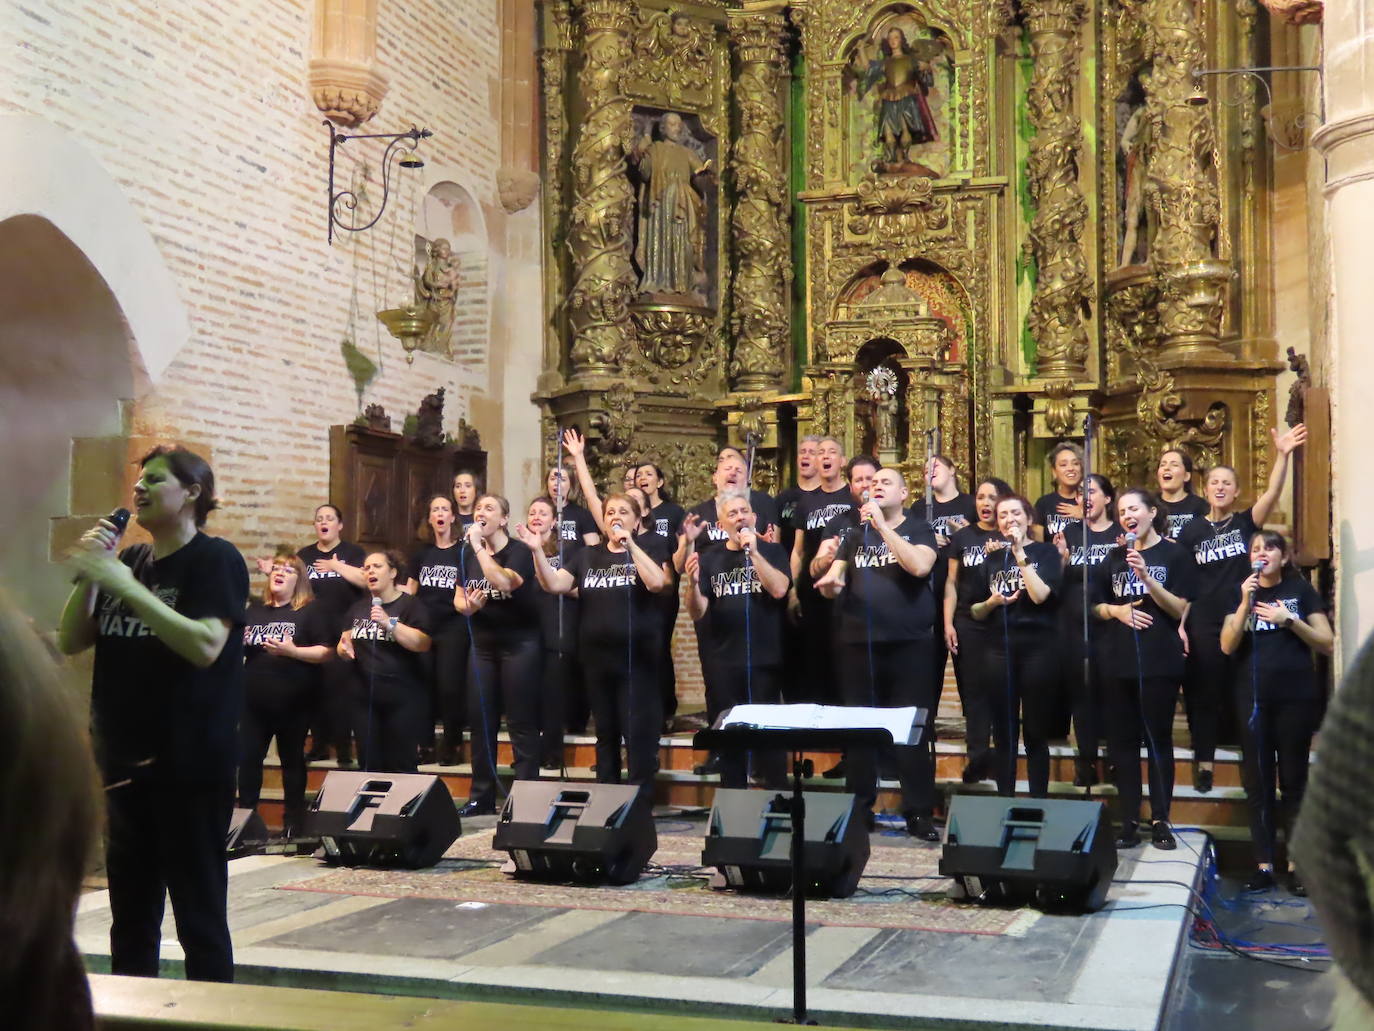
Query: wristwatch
[{"x": 391, "y": 623}]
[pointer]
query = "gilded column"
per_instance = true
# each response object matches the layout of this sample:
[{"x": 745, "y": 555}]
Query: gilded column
[
  {"x": 1181, "y": 187},
  {"x": 553, "y": 68},
  {"x": 758, "y": 297},
  {"x": 1063, "y": 289},
  {"x": 603, "y": 279}
]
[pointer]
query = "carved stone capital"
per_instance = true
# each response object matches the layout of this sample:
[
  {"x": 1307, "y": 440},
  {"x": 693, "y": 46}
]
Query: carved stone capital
[
  {"x": 345, "y": 82},
  {"x": 517, "y": 188}
]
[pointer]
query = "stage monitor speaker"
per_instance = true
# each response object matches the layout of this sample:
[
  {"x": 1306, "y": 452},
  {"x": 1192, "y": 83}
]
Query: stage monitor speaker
[
  {"x": 561, "y": 831},
  {"x": 247, "y": 833},
  {"x": 749, "y": 842},
  {"x": 1056, "y": 852},
  {"x": 383, "y": 819}
]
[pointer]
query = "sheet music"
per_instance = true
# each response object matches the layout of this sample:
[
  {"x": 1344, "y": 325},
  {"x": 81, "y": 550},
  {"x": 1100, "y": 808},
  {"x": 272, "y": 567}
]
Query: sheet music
[{"x": 897, "y": 722}]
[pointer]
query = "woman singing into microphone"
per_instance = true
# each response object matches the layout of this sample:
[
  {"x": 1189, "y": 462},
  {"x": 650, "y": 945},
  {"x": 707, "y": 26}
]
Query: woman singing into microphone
[
  {"x": 434, "y": 580},
  {"x": 1141, "y": 590},
  {"x": 386, "y": 635},
  {"x": 619, "y": 625},
  {"x": 558, "y": 618},
  {"x": 285, "y": 638},
  {"x": 1019, "y": 582},
  {"x": 166, "y": 694},
  {"x": 965, "y": 636},
  {"x": 1276, "y": 625},
  {"x": 497, "y": 598}
]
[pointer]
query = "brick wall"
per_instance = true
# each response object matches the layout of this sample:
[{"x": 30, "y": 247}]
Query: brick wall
[{"x": 200, "y": 112}]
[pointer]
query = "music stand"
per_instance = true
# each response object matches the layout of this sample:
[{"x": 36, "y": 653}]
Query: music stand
[{"x": 798, "y": 740}]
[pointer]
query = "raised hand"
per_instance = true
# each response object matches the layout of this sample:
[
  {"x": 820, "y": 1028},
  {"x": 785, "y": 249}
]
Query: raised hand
[
  {"x": 1062, "y": 546},
  {"x": 528, "y": 537},
  {"x": 1287, "y": 442},
  {"x": 573, "y": 442},
  {"x": 771, "y": 534},
  {"x": 265, "y": 565},
  {"x": 692, "y": 526}
]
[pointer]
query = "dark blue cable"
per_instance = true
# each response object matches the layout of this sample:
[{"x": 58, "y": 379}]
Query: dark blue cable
[
  {"x": 1140, "y": 702},
  {"x": 1012, "y": 732},
  {"x": 1256, "y": 735}
]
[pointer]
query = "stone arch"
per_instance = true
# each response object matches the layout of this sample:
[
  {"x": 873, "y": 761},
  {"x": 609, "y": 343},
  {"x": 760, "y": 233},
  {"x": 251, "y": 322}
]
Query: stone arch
[
  {"x": 70, "y": 366},
  {"x": 449, "y": 211},
  {"x": 49, "y": 174}
]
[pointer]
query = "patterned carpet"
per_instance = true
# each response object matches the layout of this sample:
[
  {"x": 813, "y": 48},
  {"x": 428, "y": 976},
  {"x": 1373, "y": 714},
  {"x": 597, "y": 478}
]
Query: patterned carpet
[{"x": 899, "y": 889}]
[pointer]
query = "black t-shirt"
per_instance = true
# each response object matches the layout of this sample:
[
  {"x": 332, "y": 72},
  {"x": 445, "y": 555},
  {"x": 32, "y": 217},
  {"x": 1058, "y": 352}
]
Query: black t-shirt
[
  {"x": 333, "y": 594},
  {"x": 744, "y": 620},
  {"x": 149, "y": 702},
  {"x": 1222, "y": 553},
  {"x": 575, "y": 522},
  {"x": 969, "y": 548},
  {"x": 270, "y": 677},
  {"x": 375, "y": 649},
  {"x": 505, "y": 617},
  {"x": 881, "y": 598},
  {"x": 665, "y": 519},
  {"x": 765, "y": 515},
  {"x": 1182, "y": 512},
  {"x": 1001, "y": 574},
  {"x": 945, "y": 521},
  {"x": 1115, "y": 583},
  {"x": 816, "y": 510},
  {"x": 615, "y": 604},
  {"x": 558, "y": 616},
  {"x": 787, "y": 512},
  {"x": 1282, "y": 662},
  {"x": 1047, "y": 515},
  {"x": 435, "y": 571},
  {"x": 1100, "y": 545}
]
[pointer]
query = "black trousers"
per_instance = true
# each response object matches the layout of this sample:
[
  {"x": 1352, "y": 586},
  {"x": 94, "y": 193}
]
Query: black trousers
[
  {"x": 667, "y": 673},
  {"x": 1084, "y": 695},
  {"x": 1276, "y": 740},
  {"x": 1021, "y": 686},
  {"x": 899, "y": 674},
  {"x": 820, "y": 683},
  {"x": 623, "y": 687},
  {"x": 283, "y": 717},
  {"x": 559, "y": 668},
  {"x": 971, "y": 678},
  {"x": 452, "y": 646},
  {"x": 504, "y": 676},
  {"x": 759, "y": 685},
  {"x": 331, "y": 721},
  {"x": 390, "y": 718},
  {"x": 167, "y": 839},
  {"x": 1206, "y": 682},
  {"x": 1136, "y": 709}
]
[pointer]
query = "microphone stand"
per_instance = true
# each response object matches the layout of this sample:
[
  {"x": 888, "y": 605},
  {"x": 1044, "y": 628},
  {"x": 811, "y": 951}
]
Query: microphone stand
[
  {"x": 1087, "y": 644},
  {"x": 930, "y": 486}
]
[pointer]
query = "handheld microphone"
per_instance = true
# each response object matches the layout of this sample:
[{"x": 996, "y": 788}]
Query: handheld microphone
[
  {"x": 120, "y": 518},
  {"x": 1257, "y": 566},
  {"x": 1130, "y": 538}
]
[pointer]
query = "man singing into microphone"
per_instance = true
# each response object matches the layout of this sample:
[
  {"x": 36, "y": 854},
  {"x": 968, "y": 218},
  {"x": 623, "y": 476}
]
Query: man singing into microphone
[
  {"x": 886, "y": 621},
  {"x": 740, "y": 591}
]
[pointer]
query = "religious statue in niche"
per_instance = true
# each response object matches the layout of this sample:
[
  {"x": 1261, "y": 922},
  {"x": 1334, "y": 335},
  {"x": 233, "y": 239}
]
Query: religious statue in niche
[
  {"x": 676, "y": 190},
  {"x": 899, "y": 79},
  {"x": 880, "y": 390},
  {"x": 437, "y": 288},
  {"x": 1133, "y": 230}
]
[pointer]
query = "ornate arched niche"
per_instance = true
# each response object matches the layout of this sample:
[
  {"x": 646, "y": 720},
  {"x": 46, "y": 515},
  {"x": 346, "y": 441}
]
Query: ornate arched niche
[{"x": 884, "y": 319}]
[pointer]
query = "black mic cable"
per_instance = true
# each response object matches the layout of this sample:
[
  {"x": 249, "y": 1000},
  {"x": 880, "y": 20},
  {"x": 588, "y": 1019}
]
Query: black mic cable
[
  {"x": 488, "y": 731},
  {"x": 1256, "y": 721},
  {"x": 1012, "y": 730}
]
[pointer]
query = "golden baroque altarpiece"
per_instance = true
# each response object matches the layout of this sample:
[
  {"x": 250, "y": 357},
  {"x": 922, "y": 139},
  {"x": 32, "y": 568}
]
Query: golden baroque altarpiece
[{"x": 904, "y": 222}]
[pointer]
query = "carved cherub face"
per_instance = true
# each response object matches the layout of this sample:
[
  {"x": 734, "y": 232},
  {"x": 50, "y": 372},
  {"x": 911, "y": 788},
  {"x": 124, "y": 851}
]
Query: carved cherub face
[
  {"x": 681, "y": 27},
  {"x": 440, "y": 249}
]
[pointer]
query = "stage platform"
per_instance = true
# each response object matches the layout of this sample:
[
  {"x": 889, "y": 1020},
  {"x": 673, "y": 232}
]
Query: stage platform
[{"x": 898, "y": 954}]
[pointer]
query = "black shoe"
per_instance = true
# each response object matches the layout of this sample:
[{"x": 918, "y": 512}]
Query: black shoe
[
  {"x": 871, "y": 820},
  {"x": 972, "y": 774},
  {"x": 551, "y": 764},
  {"x": 475, "y": 808},
  {"x": 1161, "y": 836},
  {"x": 317, "y": 755},
  {"x": 1085, "y": 773},
  {"x": 835, "y": 772},
  {"x": 710, "y": 766},
  {"x": 1202, "y": 780},
  {"x": 922, "y": 828},
  {"x": 448, "y": 756},
  {"x": 1128, "y": 838},
  {"x": 1261, "y": 880},
  {"x": 425, "y": 756},
  {"x": 1295, "y": 885}
]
